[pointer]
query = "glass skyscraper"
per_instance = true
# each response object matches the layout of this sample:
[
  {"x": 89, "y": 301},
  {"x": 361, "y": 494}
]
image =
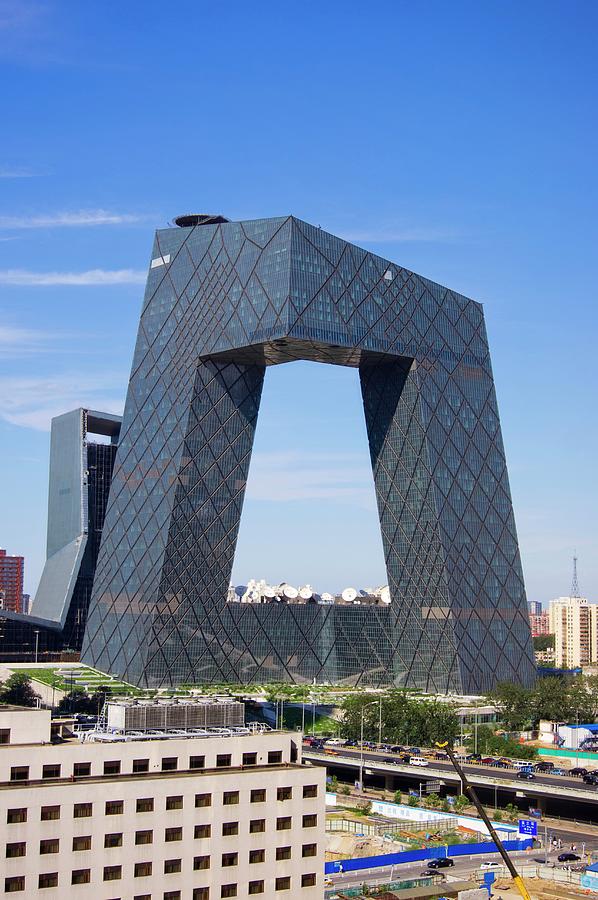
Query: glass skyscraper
[{"x": 225, "y": 300}]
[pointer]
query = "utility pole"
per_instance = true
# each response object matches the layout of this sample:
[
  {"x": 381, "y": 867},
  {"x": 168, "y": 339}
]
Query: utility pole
[
  {"x": 574, "y": 582},
  {"x": 380, "y": 724}
]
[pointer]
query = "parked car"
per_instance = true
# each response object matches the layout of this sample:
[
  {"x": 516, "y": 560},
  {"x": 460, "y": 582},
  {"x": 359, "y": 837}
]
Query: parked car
[
  {"x": 390, "y": 760},
  {"x": 568, "y": 857},
  {"x": 487, "y": 760},
  {"x": 432, "y": 873},
  {"x": 414, "y": 750},
  {"x": 544, "y": 767},
  {"x": 590, "y": 779},
  {"x": 440, "y": 754},
  {"x": 490, "y": 864},
  {"x": 473, "y": 758},
  {"x": 557, "y": 771},
  {"x": 441, "y": 862},
  {"x": 526, "y": 775},
  {"x": 578, "y": 771}
]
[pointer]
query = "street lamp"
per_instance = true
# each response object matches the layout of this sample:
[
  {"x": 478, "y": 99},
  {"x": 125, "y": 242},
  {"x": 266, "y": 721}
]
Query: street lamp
[{"x": 363, "y": 708}]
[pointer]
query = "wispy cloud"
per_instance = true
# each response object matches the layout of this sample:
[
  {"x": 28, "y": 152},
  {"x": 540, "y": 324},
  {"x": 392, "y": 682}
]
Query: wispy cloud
[
  {"x": 286, "y": 476},
  {"x": 93, "y": 277},
  {"x": 18, "y": 172},
  {"x": 392, "y": 235},
  {"x": 16, "y": 341},
  {"x": 32, "y": 402},
  {"x": 77, "y": 219}
]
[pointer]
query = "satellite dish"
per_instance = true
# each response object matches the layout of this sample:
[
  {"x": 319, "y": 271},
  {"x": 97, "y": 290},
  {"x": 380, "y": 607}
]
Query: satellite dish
[
  {"x": 363, "y": 592},
  {"x": 253, "y": 596},
  {"x": 269, "y": 592},
  {"x": 306, "y": 592},
  {"x": 327, "y": 598},
  {"x": 240, "y": 589},
  {"x": 385, "y": 594},
  {"x": 349, "y": 595},
  {"x": 289, "y": 592}
]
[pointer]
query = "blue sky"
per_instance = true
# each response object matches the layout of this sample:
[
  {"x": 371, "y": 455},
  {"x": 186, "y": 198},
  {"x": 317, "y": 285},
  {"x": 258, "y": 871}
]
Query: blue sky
[{"x": 458, "y": 139}]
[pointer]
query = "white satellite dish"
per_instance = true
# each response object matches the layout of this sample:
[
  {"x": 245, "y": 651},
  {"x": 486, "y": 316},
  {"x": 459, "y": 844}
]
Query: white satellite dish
[
  {"x": 385, "y": 594},
  {"x": 306, "y": 592},
  {"x": 253, "y": 596},
  {"x": 269, "y": 592},
  {"x": 327, "y": 598},
  {"x": 289, "y": 591},
  {"x": 349, "y": 595}
]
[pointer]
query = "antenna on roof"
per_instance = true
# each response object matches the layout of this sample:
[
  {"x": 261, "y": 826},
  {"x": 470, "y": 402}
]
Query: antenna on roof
[{"x": 574, "y": 582}]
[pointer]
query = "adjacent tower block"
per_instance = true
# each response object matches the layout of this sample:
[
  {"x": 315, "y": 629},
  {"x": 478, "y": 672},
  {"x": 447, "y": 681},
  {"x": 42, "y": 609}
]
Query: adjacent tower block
[{"x": 224, "y": 300}]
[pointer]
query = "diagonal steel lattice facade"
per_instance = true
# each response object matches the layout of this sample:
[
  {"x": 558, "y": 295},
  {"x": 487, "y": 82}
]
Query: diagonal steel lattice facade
[{"x": 223, "y": 302}]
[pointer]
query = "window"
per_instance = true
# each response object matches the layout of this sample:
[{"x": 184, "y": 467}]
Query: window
[
  {"x": 81, "y": 769},
  {"x": 283, "y": 853},
  {"x": 50, "y": 846},
  {"x": 113, "y": 873},
  {"x": 140, "y": 765},
  {"x": 274, "y": 756},
  {"x": 201, "y": 862},
  {"x": 283, "y": 823},
  {"x": 203, "y": 800},
  {"x": 112, "y": 767},
  {"x": 309, "y": 850},
  {"x": 224, "y": 759},
  {"x": 197, "y": 762},
  {"x": 229, "y": 828},
  {"x": 145, "y": 804},
  {"x": 230, "y": 859},
  {"x": 310, "y": 790},
  {"x": 257, "y": 856},
  {"x": 142, "y": 869},
  {"x": 308, "y": 880},
  {"x": 202, "y": 831},
  {"x": 82, "y": 810},
  {"x": 171, "y": 895},
  {"x": 310, "y": 820},
  {"x": 81, "y": 876},
  {"x": 284, "y": 793},
  {"x": 283, "y": 884},
  {"x": 14, "y": 816},
  {"x": 170, "y": 763},
  {"x": 142, "y": 897},
  {"x": 173, "y": 834},
  {"x": 202, "y": 893},
  {"x": 4, "y": 735},
  {"x": 82, "y": 843},
  {"x": 50, "y": 812},
  {"x": 16, "y": 883},
  {"x": 19, "y": 773},
  {"x": 258, "y": 795},
  {"x": 48, "y": 879},
  {"x": 114, "y": 807},
  {"x": 51, "y": 771},
  {"x": 228, "y": 890},
  {"x": 257, "y": 825},
  {"x": 171, "y": 866},
  {"x": 250, "y": 759},
  {"x": 229, "y": 798},
  {"x": 113, "y": 840},
  {"x": 256, "y": 887},
  {"x": 144, "y": 837},
  {"x": 16, "y": 849}
]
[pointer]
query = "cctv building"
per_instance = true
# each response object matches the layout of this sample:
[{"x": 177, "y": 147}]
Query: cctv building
[{"x": 225, "y": 300}]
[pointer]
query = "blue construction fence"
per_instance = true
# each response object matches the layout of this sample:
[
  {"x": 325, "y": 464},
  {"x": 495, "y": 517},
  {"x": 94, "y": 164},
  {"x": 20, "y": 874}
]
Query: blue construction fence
[{"x": 407, "y": 856}]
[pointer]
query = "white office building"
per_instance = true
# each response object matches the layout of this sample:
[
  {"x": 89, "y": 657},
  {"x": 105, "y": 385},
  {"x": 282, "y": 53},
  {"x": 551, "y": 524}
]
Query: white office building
[
  {"x": 154, "y": 806},
  {"x": 574, "y": 623}
]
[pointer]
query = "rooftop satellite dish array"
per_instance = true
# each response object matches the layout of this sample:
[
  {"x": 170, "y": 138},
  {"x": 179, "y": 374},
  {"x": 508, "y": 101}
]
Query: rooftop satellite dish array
[{"x": 262, "y": 592}]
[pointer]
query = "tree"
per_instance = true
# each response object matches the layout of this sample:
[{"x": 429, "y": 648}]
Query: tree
[
  {"x": 405, "y": 720},
  {"x": 544, "y": 642},
  {"x": 17, "y": 690},
  {"x": 516, "y": 703},
  {"x": 398, "y": 797}
]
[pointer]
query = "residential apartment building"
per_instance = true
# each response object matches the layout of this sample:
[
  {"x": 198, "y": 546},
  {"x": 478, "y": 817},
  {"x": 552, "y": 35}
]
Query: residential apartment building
[
  {"x": 534, "y": 607},
  {"x": 193, "y": 813},
  {"x": 574, "y": 623},
  {"x": 12, "y": 569},
  {"x": 540, "y": 624}
]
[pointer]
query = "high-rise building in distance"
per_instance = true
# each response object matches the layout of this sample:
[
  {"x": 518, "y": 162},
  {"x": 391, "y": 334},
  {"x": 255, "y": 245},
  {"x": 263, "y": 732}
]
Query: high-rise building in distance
[
  {"x": 80, "y": 474},
  {"x": 534, "y": 607},
  {"x": 12, "y": 573},
  {"x": 574, "y": 623},
  {"x": 225, "y": 300},
  {"x": 540, "y": 624}
]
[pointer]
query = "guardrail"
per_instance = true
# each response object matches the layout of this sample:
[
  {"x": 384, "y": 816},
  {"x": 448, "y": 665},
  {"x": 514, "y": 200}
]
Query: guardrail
[{"x": 447, "y": 775}]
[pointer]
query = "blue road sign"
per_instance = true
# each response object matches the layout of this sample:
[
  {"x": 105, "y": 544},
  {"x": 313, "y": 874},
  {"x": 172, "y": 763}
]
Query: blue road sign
[{"x": 528, "y": 826}]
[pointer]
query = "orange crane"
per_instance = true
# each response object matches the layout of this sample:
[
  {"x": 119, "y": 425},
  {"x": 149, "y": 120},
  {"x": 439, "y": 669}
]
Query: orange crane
[{"x": 467, "y": 787}]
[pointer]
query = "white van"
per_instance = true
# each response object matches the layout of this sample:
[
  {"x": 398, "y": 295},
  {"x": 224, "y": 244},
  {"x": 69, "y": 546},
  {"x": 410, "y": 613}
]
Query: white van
[
  {"x": 335, "y": 742},
  {"x": 418, "y": 761}
]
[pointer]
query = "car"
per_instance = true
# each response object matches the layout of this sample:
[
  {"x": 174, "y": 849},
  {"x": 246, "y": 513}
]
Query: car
[
  {"x": 440, "y": 754},
  {"x": 414, "y": 750},
  {"x": 578, "y": 771},
  {"x": 557, "y": 771},
  {"x": 544, "y": 767},
  {"x": 590, "y": 779},
  {"x": 351, "y": 744},
  {"x": 490, "y": 864},
  {"x": 441, "y": 862},
  {"x": 331, "y": 752},
  {"x": 473, "y": 758},
  {"x": 487, "y": 760},
  {"x": 526, "y": 775},
  {"x": 568, "y": 857},
  {"x": 405, "y": 757},
  {"x": 431, "y": 873},
  {"x": 390, "y": 760}
]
